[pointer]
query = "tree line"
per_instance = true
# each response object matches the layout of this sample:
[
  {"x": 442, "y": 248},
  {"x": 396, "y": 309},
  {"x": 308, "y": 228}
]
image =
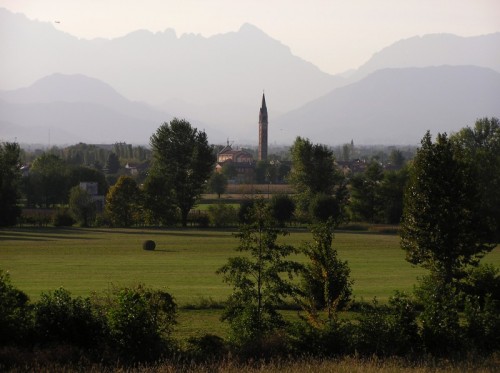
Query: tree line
[{"x": 373, "y": 194}]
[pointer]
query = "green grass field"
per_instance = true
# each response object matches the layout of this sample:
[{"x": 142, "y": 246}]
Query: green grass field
[{"x": 184, "y": 263}]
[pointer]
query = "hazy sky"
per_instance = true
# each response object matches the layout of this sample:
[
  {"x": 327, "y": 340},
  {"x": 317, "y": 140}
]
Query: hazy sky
[{"x": 335, "y": 35}]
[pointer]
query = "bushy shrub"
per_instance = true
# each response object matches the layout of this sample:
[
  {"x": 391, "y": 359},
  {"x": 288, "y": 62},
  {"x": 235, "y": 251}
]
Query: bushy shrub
[
  {"x": 440, "y": 328},
  {"x": 482, "y": 323},
  {"x": 222, "y": 215},
  {"x": 483, "y": 282},
  {"x": 148, "y": 245},
  {"x": 140, "y": 322},
  {"x": 388, "y": 330},
  {"x": 282, "y": 208},
  {"x": 207, "y": 347},
  {"x": 333, "y": 338},
  {"x": 15, "y": 316},
  {"x": 481, "y": 290},
  {"x": 61, "y": 319},
  {"x": 244, "y": 211},
  {"x": 203, "y": 221},
  {"x": 63, "y": 218},
  {"x": 323, "y": 207},
  {"x": 102, "y": 220}
]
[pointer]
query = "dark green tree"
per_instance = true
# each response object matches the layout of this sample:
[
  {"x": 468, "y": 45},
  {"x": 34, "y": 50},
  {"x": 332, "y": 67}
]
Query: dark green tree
[
  {"x": 10, "y": 175},
  {"x": 314, "y": 172},
  {"x": 79, "y": 174},
  {"x": 397, "y": 158},
  {"x": 15, "y": 313},
  {"x": 391, "y": 194},
  {"x": 49, "y": 181},
  {"x": 182, "y": 154},
  {"x": 479, "y": 148},
  {"x": 222, "y": 215},
  {"x": 141, "y": 321},
  {"x": 82, "y": 206},
  {"x": 282, "y": 208},
  {"x": 442, "y": 230},
  {"x": 261, "y": 279},
  {"x": 217, "y": 183},
  {"x": 61, "y": 319},
  {"x": 326, "y": 283},
  {"x": 123, "y": 202},
  {"x": 324, "y": 207},
  {"x": 262, "y": 172},
  {"x": 229, "y": 170},
  {"x": 365, "y": 193},
  {"x": 112, "y": 164},
  {"x": 158, "y": 199},
  {"x": 244, "y": 211}
]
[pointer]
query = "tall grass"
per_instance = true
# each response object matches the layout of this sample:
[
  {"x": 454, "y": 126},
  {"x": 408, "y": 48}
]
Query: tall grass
[{"x": 342, "y": 365}]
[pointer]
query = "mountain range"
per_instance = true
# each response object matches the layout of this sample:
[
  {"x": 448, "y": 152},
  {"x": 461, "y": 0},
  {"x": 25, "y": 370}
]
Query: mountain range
[{"x": 70, "y": 87}]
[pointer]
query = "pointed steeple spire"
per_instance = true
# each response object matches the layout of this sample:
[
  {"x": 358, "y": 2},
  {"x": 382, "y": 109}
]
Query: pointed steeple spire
[{"x": 263, "y": 130}]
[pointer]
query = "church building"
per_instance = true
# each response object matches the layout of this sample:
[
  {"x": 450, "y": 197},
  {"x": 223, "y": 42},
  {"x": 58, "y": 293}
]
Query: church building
[{"x": 243, "y": 161}]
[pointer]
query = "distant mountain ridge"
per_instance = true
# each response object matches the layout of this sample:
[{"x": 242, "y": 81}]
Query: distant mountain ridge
[
  {"x": 436, "y": 50},
  {"x": 76, "y": 108},
  {"x": 230, "y": 68},
  {"x": 397, "y": 106},
  {"x": 216, "y": 83}
]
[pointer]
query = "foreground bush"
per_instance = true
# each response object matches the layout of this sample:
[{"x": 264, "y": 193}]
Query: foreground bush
[
  {"x": 61, "y": 319},
  {"x": 140, "y": 322},
  {"x": 388, "y": 330},
  {"x": 14, "y": 313}
]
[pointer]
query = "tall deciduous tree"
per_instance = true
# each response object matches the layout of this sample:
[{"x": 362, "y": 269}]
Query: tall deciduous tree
[
  {"x": 79, "y": 174},
  {"x": 480, "y": 150},
  {"x": 261, "y": 279},
  {"x": 158, "y": 199},
  {"x": 123, "y": 202},
  {"x": 82, "y": 206},
  {"x": 217, "y": 183},
  {"x": 365, "y": 193},
  {"x": 326, "y": 277},
  {"x": 442, "y": 230},
  {"x": 282, "y": 208},
  {"x": 391, "y": 194},
  {"x": 182, "y": 155},
  {"x": 10, "y": 175},
  {"x": 112, "y": 164},
  {"x": 49, "y": 181},
  {"x": 314, "y": 172}
]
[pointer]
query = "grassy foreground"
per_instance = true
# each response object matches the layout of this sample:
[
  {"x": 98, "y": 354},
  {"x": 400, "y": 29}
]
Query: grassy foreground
[
  {"x": 184, "y": 262},
  {"x": 341, "y": 365}
]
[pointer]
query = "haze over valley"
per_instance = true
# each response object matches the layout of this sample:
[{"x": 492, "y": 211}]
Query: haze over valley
[{"x": 64, "y": 90}]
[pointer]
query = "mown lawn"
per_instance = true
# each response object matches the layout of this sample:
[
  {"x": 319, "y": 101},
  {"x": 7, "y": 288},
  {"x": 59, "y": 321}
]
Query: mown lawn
[{"x": 184, "y": 263}]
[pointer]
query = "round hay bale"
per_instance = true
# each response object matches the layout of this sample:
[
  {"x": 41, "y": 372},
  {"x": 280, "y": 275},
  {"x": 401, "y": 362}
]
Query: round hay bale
[{"x": 148, "y": 245}]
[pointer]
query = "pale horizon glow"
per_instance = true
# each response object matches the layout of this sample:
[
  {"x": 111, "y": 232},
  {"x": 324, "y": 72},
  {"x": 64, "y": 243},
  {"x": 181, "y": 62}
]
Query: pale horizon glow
[{"x": 334, "y": 35}]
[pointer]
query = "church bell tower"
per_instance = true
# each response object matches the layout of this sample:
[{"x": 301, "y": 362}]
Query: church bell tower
[{"x": 263, "y": 130}]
